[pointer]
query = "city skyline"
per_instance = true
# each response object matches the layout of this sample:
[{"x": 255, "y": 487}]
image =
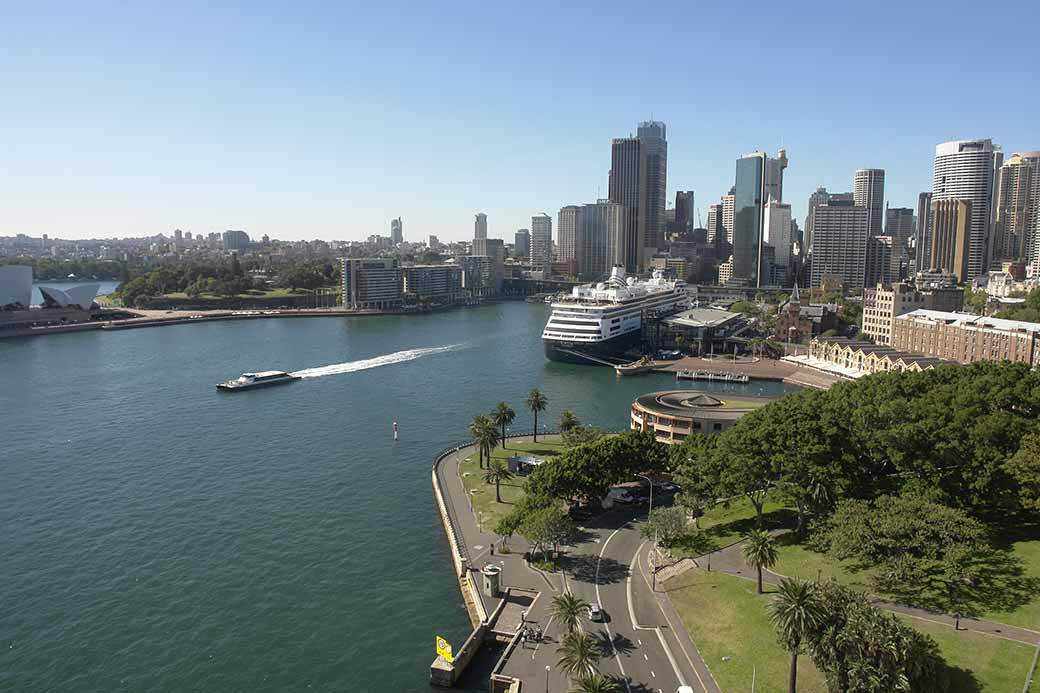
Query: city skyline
[{"x": 196, "y": 131}]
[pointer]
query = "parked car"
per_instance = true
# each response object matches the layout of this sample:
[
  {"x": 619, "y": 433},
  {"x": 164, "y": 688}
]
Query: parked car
[
  {"x": 669, "y": 487},
  {"x": 626, "y": 498},
  {"x": 595, "y": 612}
]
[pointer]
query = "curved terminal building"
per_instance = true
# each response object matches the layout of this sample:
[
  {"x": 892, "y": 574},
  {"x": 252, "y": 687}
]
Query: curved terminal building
[{"x": 674, "y": 414}]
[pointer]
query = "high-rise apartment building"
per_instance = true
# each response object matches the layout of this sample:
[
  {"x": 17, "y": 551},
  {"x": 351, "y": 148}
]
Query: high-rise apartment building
[
  {"x": 869, "y": 191},
  {"x": 522, "y": 243},
  {"x": 839, "y": 244},
  {"x": 651, "y": 134},
  {"x": 602, "y": 236},
  {"x": 967, "y": 170},
  {"x": 951, "y": 237},
  {"x": 567, "y": 222},
  {"x": 235, "y": 240},
  {"x": 728, "y": 203},
  {"x": 715, "y": 229},
  {"x": 396, "y": 231},
  {"x": 541, "y": 242},
  {"x": 627, "y": 168},
  {"x": 756, "y": 177},
  {"x": 1017, "y": 228},
  {"x": 433, "y": 242},
  {"x": 923, "y": 239},
  {"x": 776, "y": 232},
  {"x": 899, "y": 226},
  {"x": 878, "y": 270}
]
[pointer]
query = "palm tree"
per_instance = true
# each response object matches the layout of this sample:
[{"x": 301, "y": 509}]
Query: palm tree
[
  {"x": 496, "y": 473},
  {"x": 477, "y": 429},
  {"x": 595, "y": 683},
  {"x": 568, "y": 610},
  {"x": 536, "y": 402},
  {"x": 568, "y": 420},
  {"x": 579, "y": 654},
  {"x": 760, "y": 552},
  {"x": 503, "y": 416},
  {"x": 488, "y": 438},
  {"x": 797, "y": 613}
]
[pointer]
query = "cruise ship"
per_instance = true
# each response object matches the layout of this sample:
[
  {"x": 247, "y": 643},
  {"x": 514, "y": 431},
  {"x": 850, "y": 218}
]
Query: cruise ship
[{"x": 599, "y": 321}]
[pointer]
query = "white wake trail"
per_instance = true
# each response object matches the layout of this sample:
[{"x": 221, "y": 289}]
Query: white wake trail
[{"x": 365, "y": 364}]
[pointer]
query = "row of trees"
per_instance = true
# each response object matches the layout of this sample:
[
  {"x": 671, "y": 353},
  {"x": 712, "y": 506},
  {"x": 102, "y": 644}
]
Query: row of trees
[{"x": 48, "y": 269}]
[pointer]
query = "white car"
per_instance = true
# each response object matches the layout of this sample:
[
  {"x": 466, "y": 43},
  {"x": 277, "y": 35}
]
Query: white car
[
  {"x": 595, "y": 613},
  {"x": 684, "y": 689}
]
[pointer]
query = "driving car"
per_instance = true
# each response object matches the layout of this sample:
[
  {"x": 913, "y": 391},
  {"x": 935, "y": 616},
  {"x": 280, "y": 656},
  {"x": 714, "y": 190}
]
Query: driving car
[{"x": 595, "y": 612}]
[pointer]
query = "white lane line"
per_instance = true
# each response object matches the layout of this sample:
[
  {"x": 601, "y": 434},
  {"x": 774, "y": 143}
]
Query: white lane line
[
  {"x": 635, "y": 625},
  {"x": 670, "y": 625},
  {"x": 655, "y": 675},
  {"x": 600, "y": 600},
  {"x": 645, "y": 657}
]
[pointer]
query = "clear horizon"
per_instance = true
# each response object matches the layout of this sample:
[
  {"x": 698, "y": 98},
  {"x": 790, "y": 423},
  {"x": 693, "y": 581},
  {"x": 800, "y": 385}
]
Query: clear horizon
[{"x": 327, "y": 122}]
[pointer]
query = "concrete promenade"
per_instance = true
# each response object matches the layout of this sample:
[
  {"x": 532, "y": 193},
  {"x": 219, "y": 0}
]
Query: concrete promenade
[
  {"x": 758, "y": 369},
  {"x": 643, "y": 641}
]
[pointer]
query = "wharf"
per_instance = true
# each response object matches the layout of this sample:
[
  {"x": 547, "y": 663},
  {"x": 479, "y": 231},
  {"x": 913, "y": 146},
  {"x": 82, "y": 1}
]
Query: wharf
[{"x": 756, "y": 369}]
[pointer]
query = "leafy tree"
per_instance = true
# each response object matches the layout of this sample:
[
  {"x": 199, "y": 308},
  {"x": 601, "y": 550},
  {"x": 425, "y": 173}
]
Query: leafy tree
[
  {"x": 666, "y": 525},
  {"x": 595, "y": 683},
  {"x": 797, "y": 614},
  {"x": 579, "y": 655},
  {"x": 496, "y": 473},
  {"x": 760, "y": 552},
  {"x": 568, "y": 421},
  {"x": 975, "y": 301},
  {"x": 536, "y": 402},
  {"x": 507, "y": 525},
  {"x": 547, "y": 527},
  {"x": 236, "y": 266},
  {"x": 503, "y": 416},
  {"x": 580, "y": 435},
  {"x": 568, "y": 610},
  {"x": 1024, "y": 467}
]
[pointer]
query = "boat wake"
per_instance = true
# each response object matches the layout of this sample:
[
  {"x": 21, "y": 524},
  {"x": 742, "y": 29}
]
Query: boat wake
[{"x": 376, "y": 362}]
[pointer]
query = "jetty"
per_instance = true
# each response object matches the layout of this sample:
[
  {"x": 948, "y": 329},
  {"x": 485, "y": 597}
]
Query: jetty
[{"x": 709, "y": 375}]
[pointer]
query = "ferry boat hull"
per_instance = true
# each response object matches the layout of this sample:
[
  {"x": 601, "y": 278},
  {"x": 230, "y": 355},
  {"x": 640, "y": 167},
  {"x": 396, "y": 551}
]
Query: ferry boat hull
[{"x": 238, "y": 385}]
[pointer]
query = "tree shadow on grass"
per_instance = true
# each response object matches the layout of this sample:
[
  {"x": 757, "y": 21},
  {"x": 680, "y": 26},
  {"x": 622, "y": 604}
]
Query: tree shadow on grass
[
  {"x": 774, "y": 519},
  {"x": 962, "y": 680},
  {"x": 582, "y": 567}
]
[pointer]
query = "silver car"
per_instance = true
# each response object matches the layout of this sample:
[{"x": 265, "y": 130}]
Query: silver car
[{"x": 595, "y": 613}]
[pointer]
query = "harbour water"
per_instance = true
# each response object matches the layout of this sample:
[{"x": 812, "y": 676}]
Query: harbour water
[{"x": 160, "y": 535}]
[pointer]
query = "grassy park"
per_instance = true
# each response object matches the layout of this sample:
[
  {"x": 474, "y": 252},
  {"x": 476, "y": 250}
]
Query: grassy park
[
  {"x": 482, "y": 494},
  {"x": 729, "y": 623}
]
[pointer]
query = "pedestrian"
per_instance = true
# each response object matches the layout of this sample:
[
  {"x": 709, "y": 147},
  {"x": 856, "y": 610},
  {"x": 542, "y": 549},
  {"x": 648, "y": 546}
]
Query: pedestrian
[
  {"x": 523, "y": 640},
  {"x": 492, "y": 548}
]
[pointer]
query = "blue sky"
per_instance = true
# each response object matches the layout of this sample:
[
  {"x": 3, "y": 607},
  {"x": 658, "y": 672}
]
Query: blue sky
[{"x": 310, "y": 121}]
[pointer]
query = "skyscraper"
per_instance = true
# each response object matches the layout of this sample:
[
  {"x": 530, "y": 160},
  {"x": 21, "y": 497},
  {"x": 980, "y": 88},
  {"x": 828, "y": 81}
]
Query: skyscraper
[
  {"x": 480, "y": 234},
  {"x": 967, "y": 170},
  {"x": 684, "y": 214},
  {"x": 923, "y": 239},
  {"x": 868, "y": 191},
  {"x": 716, "y": 231},
  {"x": 600, "y": 238},
  {"x": 567, "y": 222},
  {"x": 651, "y": 134},
  {"x": 728, "y": 202},
  {"x": 522, "y": 243},
  {"x": 839, "y": 244},
  {"x": 951, "y": 237},
  {"x": 899, "y": 225},
  {"x": 1018, "y": 208},
  {"x": 396, "y": 231},
  {"x": 627, "y": 168},
  {"x": 541, "y": 242},
  {"x": 756, "y": 177},
  {"x": 777, "y": 234}
]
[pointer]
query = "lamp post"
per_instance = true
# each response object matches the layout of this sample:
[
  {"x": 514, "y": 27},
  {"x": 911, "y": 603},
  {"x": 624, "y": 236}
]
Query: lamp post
[
  {"x": 789, "y": 331},
  {"x": 546, "y": 678},
  {"x": 649, "y": 517}
]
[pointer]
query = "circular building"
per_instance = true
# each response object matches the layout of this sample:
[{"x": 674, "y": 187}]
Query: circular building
[{"x": 674, "y": 414}]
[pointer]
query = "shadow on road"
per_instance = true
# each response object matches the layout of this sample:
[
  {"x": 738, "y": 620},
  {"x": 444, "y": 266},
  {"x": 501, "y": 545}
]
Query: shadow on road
[{"x": 583, "y": 568}]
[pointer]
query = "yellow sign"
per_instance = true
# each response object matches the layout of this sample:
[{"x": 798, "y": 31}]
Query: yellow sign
[{"x": 444, "y": 648}]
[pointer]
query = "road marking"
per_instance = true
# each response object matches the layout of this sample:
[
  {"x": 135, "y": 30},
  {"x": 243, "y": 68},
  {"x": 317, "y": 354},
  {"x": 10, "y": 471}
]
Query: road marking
[
  {"x": 656, "y": 629},
  {"x": 677, "y": 640},
  {"x": 655, "y": 676},
  {"x": 605, "y": 626},
  {"x": 645, "y": 657}
]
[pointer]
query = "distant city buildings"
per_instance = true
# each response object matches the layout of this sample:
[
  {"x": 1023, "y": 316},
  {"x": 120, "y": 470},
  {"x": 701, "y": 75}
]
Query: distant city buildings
[
  {"x": 236, "y": 240},
  {"x": 967, "y": 170},
  {"x": 951, "y": 237},
  {"x": 759, "y": 178},
  {"x": 839, "y": 245},
  {"x": 541, "y": 242},
  {"x": 396, "y": 231},
  {"x": 638, "y": 181},
  {"x": 371, "y": 283},
  {"x": 1017, "y": 228},
  {"x": 967, "y": 338},
  {"x": 522, "y": 243},
  {"x": 882, "y": 304},
  {"x": 869, "y": 191}
]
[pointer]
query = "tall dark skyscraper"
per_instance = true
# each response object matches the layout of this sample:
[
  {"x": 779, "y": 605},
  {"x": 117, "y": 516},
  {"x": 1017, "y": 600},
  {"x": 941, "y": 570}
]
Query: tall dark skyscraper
[
  {"x": 655, "y": 149},
  {"x": 627, "y": 168},
  {"x": 396, "y": 231},
  {"x": 758, "y": 179},
  {"x": 868, "y": 191},
  {"x": 923, "y": 238},
  {"x": 684, "y": 206}
]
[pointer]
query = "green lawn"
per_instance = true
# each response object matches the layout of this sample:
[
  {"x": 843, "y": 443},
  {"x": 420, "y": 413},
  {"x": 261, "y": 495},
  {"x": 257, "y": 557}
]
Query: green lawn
[
  {"x": 482, "y": 494},
  {"x": 980, "y": 662},
  {"x": 1025, "y": 547},
  {"x": 727, "y": 523},
  {"x": 726, "y": 618}
]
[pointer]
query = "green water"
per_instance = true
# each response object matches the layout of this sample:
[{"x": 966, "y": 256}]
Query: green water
[{"x": 159, "y": 535}]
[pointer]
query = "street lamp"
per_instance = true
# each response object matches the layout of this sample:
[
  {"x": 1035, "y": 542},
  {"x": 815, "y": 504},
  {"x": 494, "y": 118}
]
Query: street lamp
[
  {"x": 649, "y": 517},
  {"x": 790, "y": 329},
  {"x": 546, "y": 678}
]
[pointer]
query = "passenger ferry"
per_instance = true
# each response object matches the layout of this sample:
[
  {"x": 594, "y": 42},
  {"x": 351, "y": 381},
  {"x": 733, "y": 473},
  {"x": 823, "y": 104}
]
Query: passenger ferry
[
  {"x": 603, "y": 320},
  {"x": 248, "y": 381}
]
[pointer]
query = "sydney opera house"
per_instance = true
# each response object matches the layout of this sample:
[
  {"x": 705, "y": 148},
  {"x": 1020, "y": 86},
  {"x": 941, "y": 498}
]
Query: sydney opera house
[{"x": 59, "y": 307}]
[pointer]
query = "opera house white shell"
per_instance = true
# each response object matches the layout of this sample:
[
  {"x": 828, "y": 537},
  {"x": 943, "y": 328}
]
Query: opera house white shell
[
  {"x": 16, "y": 285},
  {"x": 78, "y": 296}
]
